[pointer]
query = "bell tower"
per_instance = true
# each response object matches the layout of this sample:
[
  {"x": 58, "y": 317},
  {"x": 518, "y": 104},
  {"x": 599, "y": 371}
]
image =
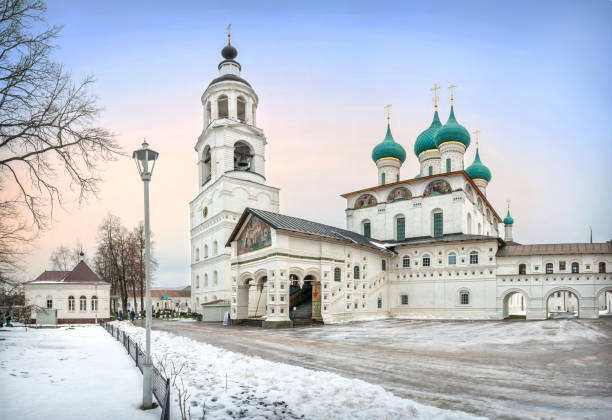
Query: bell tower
[{"x": 230, "y": 176}]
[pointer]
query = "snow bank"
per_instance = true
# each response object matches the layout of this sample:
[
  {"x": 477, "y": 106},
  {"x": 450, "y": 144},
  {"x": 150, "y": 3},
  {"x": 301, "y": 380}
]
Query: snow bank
[
  {"x": 68, "y": 373},
  {"x": 259, "y": 388}
]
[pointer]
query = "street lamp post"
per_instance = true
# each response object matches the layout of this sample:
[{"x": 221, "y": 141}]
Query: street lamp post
[{"x": 145, "y": 161}]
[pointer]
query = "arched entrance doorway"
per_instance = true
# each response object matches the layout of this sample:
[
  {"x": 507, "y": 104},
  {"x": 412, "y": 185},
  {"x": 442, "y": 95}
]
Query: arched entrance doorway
[
  {"x": 563, "y": 304},
  {"x": 515, "y": 305},
  {"x": 305, "y": 300}
]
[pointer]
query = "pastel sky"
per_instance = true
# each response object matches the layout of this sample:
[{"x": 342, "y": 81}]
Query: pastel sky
[{"x": 533, "y": 77}]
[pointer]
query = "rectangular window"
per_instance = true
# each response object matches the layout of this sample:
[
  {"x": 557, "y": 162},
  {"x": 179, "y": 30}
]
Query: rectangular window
[
  {"x": 397, "y": 178},
  {"x": 430, "y": 170},
  {"x": 49, "y": 303},
  {"x": 452, "y": 259},
  {"x": 404, "y": 299},
  {"x": 465, "y": 298},
  {"x": 448, "y": 165},
  {"x": 401, "y": 228},
  {"x": 337, "y": 274},
  {"x": 438, "y": 226},
  {"x": 382, "y": 179},
  {"x": 379, "y": 303},
  {"x": 384, "y": 265},
  {"x": 366, "y": 229},
  {"x": 561, "y": 265}
]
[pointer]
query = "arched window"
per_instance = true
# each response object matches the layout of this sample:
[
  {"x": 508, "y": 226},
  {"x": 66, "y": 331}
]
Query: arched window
[
  {"x": 241, "y": 109},
  {"x": 197, "y": 285},
  {"x": 384, "y": 265},
  {"x": 243, "y": 156},
  {"x": 206, "y": 280},
  {"x": 437, "y": 187},
  {"x": 426, "y": 260},
  {"x": 356, "y": 272},
  {"x": 406, "y": 261},
  {"x": 479, "y": 228},
  {"x": 404, "y": 300},
  {"x": 400, "y": 227},
  {"x": 469, "y": 224},
  {"x": 365, "y": 200},
  {"x": 222, "y": 107},
  {"x": 83, "y": 303},
  {"x": 464, "y": 297},
  {"x": 94, "y": 303},
  {"x": 366, "y": 228},
  {"x": 197, "y": 254},
  {"x": 474, "y": 257},
  {"x": 215, "y": 278},
  {"x": 602, "y": 267},
  {"x": 452, "y": 258},
  {"x": 215, "y": 248},
  {"x": 71, "y": 303},
  {"x": 549, "y": 268},
  {"x": 575, "y": 267},
  {"x": 206, "y": 166},
  {"x": 49, "y": 302},
  {"x": 479, "y": 204},
  {"x": 208, "y": 113},
  {"x": 337, "y": 274},
  {"x": 522, "y": 269},
  {"x": 437, "y": 220}
]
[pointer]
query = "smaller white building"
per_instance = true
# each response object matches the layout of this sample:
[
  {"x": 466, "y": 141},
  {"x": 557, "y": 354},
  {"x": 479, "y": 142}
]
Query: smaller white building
[{"x": 68, "y": 297}]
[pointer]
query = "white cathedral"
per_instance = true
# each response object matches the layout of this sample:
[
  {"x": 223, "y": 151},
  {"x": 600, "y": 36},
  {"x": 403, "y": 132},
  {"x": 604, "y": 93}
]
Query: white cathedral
[{"x": 422, "y": 247}]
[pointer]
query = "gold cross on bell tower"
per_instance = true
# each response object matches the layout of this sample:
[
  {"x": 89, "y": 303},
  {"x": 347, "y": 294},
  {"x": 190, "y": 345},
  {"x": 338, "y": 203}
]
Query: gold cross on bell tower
[
  {"x": 229, "y": 28},
  {"x": 388, "y": 108},
  {"x": 435, "y": 89},
  {"x": 452, "y": 89},
  {"x": 508, "y": 201},
  {"x": 476, "y": 133}
]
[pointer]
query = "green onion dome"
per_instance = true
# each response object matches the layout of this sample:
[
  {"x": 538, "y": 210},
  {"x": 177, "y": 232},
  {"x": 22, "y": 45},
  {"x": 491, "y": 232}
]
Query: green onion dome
[
  {"x": 452, "y": 131},
  {"x": 477, "y": 170},
  {"x": 388, "y": 148},
  {"x": 425, "y": 140},
  {"x": 508, "y": 220}
]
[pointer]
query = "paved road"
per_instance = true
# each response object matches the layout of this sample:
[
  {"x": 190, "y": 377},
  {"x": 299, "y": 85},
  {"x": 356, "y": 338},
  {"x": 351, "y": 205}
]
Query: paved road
[{"x": 545, "y": 369}]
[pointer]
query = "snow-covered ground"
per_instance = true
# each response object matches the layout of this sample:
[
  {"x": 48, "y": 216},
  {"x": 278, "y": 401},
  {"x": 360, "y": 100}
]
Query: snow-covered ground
[
  {"x": 68, "y": 373},
  {"x": 558, "y": 369},
  {"x": 261, "y": 389}
]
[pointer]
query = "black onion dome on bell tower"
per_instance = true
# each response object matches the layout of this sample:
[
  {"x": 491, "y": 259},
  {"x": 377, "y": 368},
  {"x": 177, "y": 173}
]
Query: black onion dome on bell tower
[{"x": 229, "y": 52}]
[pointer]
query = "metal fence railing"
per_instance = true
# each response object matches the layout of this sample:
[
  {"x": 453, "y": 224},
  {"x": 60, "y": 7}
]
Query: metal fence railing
[{"x": 161, "y": 385}]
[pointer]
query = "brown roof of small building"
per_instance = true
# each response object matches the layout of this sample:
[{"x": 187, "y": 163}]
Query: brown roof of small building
[
  {"x": 555, "y": 249},
  {"x": 80, "y": 274},
  {"x": 171, "y": 293}
]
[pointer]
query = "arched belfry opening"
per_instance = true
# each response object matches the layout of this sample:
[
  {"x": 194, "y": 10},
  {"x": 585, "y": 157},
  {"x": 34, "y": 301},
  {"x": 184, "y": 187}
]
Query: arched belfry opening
[
  {"x": 241, "y": 109},
  {"x": 222, "y": 106},
  {"x": 243, "y": 157},
  {"x": 206, "y": 165}
]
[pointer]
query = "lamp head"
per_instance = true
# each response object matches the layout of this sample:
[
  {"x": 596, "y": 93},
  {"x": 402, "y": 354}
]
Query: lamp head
[{"x": 145, "y": 161}]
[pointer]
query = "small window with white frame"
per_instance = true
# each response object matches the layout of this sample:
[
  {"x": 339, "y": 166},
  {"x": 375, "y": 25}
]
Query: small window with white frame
[
  {"x": 452, "y": 258},
  {"x": 49, "y": 302},
  {"x": 406, "y": 261},
  {"x": 426, "y": 260},
  {"x": 404, "y": 299},
  {"x": 464, "y": 297},
  {"x": 473, "y": 257}
]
